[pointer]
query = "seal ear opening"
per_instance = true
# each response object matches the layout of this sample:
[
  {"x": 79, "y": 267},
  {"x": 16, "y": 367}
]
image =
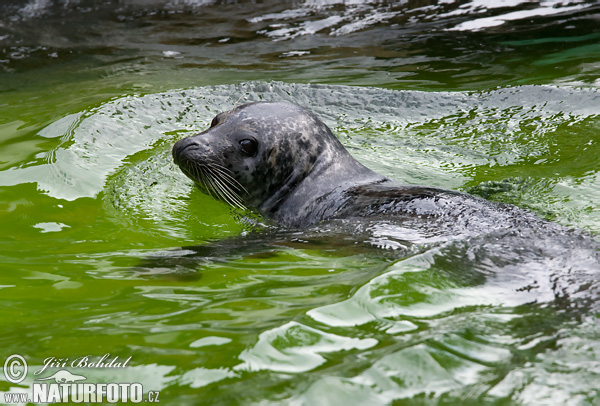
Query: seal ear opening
[{"x": 271, "y": 156}]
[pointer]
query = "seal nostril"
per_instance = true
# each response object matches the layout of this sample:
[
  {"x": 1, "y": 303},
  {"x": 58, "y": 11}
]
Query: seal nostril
[{"x": 181, "y": 148}]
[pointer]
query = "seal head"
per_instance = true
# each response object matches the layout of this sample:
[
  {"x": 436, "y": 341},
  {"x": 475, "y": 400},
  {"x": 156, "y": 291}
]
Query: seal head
[{"x": 275, "y": 157}]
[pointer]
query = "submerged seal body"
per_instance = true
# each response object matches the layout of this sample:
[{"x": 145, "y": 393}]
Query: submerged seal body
[{"x": 285, "y": 162}]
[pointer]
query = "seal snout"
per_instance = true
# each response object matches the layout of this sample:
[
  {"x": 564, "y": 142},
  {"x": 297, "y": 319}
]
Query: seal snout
[{"x": 181, "y": 150}]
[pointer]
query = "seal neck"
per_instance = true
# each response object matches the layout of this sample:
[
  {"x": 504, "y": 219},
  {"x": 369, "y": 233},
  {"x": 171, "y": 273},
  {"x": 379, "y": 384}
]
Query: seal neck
[{"x": 317, "y": 193}]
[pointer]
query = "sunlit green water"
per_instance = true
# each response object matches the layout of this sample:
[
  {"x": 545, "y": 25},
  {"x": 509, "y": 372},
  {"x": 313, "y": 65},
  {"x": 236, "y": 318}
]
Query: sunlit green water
[{"x": 95, "y": 214}]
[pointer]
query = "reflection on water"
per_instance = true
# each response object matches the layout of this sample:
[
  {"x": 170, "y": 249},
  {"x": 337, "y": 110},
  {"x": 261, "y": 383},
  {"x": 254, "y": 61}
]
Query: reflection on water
[{"x": 109, "y": 249}]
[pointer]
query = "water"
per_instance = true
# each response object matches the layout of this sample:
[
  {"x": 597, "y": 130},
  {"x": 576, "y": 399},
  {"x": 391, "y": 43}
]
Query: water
[{"x": 108, "y": 248}]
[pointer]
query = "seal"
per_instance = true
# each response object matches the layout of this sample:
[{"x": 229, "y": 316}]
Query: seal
[{"x": 283, "y": 161}]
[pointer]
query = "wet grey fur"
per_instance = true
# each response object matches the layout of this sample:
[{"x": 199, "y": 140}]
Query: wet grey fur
[{"x": 301, "y": 174}]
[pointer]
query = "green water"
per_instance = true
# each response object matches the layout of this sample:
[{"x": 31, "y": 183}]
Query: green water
[{"x": 94, "y": 213}]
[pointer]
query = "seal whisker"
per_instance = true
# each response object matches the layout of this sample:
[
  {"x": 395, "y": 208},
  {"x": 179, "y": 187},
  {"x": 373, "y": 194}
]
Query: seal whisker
[
  {"x": 210, "y": 183},
  {"x": 225, "y": 176},
  {"x": 217, "y": 184},
  {"x": 229, "y": 178},
  {"x": 201, "y": 178},
  {"x": 214, "y": 186},
  {"x": 204, "y": 179},
  {"x": 193, "y": 170},
  {"x": 224, "y": 189},
  {"x": 237, "y": 101}
]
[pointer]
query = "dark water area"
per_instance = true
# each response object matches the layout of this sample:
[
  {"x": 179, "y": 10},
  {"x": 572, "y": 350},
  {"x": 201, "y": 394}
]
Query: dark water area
[
  {"x": 107, "y": 248},
  {"x": 408, "y": 44}
]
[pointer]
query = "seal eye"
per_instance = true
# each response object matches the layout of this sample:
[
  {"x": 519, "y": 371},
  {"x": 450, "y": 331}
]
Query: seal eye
[
  {"x": 249, "y": 147},
  {"x": 214, "y": 121}
]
